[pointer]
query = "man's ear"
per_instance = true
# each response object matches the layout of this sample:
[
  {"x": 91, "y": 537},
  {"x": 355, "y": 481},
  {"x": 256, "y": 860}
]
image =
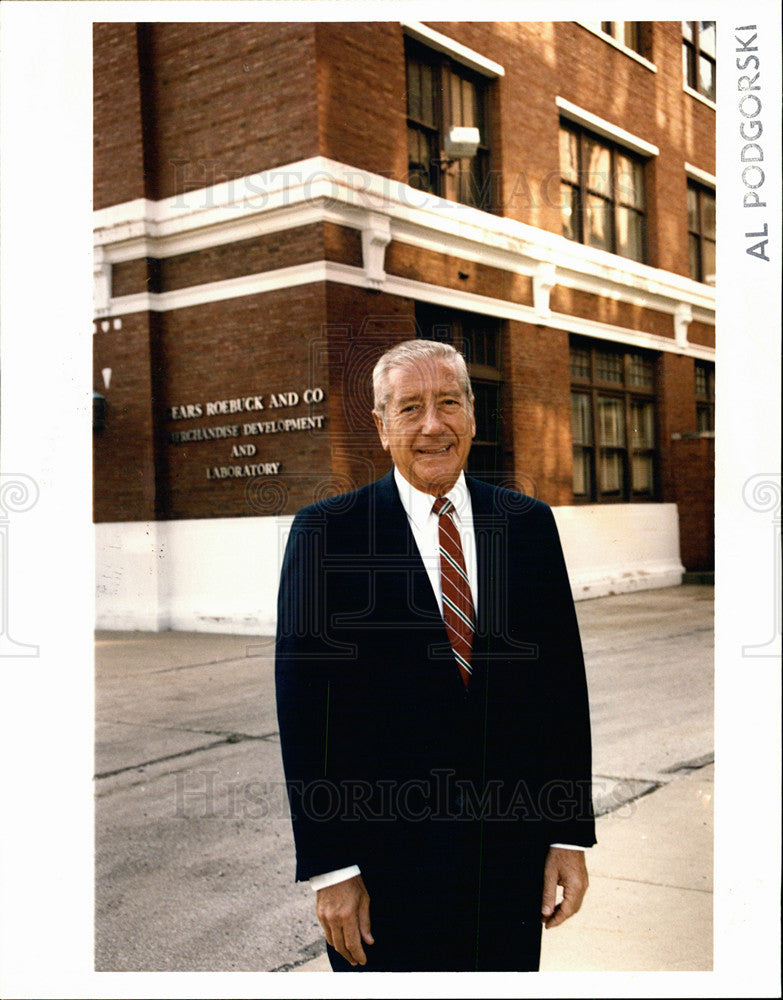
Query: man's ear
[{"x": 381, "y": 430}]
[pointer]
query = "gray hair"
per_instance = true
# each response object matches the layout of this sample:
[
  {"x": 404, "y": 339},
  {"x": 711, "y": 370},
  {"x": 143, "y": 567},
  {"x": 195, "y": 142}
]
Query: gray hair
[{"x": 413, "y": 352}]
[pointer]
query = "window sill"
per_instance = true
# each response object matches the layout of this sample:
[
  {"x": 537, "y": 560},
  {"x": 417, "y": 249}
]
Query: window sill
[
  {"x": 620, "y": 46},
  {"x": 699, "y": 97}
]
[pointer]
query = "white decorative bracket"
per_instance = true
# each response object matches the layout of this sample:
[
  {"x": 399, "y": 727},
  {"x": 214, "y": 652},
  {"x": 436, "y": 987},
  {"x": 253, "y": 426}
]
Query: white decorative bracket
[
  {"x": 101, "y": 284},
  {"x": 683, "y": 317},
  {"x": 544, "y": 280},
  {"x": 376, "y": 236}
]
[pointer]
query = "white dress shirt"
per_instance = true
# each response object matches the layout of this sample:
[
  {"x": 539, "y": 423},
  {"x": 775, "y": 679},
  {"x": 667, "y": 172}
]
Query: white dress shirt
[{"x": 424, "y": 525}]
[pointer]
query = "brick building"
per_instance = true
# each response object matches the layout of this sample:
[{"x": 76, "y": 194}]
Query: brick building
[{"x": 275, "y": 204}]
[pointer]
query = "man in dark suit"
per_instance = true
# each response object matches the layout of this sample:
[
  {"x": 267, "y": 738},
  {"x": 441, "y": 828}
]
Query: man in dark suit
[{"x": 432, "y": 699}]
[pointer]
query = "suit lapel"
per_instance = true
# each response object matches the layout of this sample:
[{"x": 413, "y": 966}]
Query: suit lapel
[{"x": 396, "y": 547}]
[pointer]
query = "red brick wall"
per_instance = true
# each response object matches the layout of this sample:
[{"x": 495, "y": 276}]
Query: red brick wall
[
  {"x": 405, "y": 261},
  {"x": 361, "y": 96},
  {"x": 694, "y": 459},
  {"x": 123, "y": 452},
  {"x": 676, "y": 408},
  {"x": 538, "y": 394},
  {"x": 221, "y": 101},
  {"x": 118, "y": 164}
]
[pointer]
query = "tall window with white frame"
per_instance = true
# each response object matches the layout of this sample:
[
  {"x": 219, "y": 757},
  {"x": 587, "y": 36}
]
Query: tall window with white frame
[
  {"x": 698, "y": 57},
  {"x": 701, "y": 232},
  {"x": 613, "y": 423},
  {"x": 602, "y": 193},
  {"x": 442, "y": 93}
]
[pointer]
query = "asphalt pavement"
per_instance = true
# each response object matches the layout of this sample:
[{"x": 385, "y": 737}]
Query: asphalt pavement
[{"x": 194, "y": 855}]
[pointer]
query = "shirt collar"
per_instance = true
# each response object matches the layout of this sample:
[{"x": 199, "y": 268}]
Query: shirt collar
[{"x": 418, "y": 505}]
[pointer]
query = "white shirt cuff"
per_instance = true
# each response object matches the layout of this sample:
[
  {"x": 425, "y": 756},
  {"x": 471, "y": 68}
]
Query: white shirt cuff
[
  {"x": 332, "y": 878},
  {"x": 570, "y": 847}
]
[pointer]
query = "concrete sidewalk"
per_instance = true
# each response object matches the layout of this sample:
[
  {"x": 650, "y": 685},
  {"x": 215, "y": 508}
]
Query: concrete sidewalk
[
  {"x": 194, "y": 855},
  {"x": 649, "y": 906}
]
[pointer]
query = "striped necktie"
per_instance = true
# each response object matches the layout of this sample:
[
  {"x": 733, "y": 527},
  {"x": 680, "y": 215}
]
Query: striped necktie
[{"x": 457, "y": 600}]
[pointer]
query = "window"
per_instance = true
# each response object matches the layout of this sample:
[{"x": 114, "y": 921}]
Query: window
[
  {"x": 442, "y": 93},
  {"x": 612, "y": 423},
  {"x": 701, "y": 232},
  {"x": 628, "y": 33},
  {"x": 698, "y": 56},
  {"x": 705, "y": 396},
  {"x": 478, "y": 338},
  {"x": 602, "y": 193}
]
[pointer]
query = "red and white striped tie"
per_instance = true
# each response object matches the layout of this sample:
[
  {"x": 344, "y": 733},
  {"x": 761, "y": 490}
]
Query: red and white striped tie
[{"x": 457, "y": 600}]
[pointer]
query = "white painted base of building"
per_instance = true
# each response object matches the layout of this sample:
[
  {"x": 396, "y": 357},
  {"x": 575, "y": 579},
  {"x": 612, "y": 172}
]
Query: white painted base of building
[
  {"x": 221, "y": 574},
  {"x": 618, "y": 548}
]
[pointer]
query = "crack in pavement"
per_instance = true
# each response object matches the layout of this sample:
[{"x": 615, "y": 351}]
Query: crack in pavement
[
  {"x": 229, "y": 739},
  {"x": 644, "y": 881}
]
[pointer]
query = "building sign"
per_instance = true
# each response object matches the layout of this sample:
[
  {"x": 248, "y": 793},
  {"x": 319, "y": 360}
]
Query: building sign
[{"x": 235, "y": 432}]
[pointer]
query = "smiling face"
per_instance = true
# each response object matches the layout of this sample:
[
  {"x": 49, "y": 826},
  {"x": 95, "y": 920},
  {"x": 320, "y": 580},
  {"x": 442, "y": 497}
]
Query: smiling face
[{"x": 428, "y": 424}]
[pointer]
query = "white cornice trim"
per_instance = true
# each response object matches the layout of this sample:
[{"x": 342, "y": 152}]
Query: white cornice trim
[
  {"x": 605, "y": 128},
  {"x": 459, "y": 52},
  {"x": 319, "y": 189},
  {"x": 220, "y": 291},
  {"x": 611, "y": 40},
  {"x": 344, "y": 274},
  {"x": 701, "y": 175}
]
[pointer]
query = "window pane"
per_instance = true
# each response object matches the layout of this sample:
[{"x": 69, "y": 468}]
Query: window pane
[
  {"x": 707, "y": 37},
  {"x": 609, "y": 367},
  {"x": 598, "y": 167},
  {"x": 693, "y": 209},
  {"x": 701, "y": 379},
  {"x": 705, "y": 418},
  {"x": 419, "y": 158},
  {"x": 480, "y": 341},
  {"x": 640, "y": 371},
  {"x": 708, "y": 262},
  {"x": 629, "y": 234},
  {"x": 414, "y": 89},
  {"x": 629, "y": 181},
  {"x": 642, "y": 474},
  {"x": 580, "y": 362},
  {"x": 569, "y": 156},
  {"x": 427, "y": 112},
  {"x": 583, "y": 472},
  {"x": 694, "y": 257},
  {"x": 610, "y": 422},
  {"x": 581, "y": 422},
  {"x": 643, "y": 424},
  {"x": 687, "y": 66},
  {"x": 706, "y": 77},
  {"x": 568, "y": 212},
  {"x": 632, "y": 35},
  {"x": 486, "y": 410},
  {"x": 687, "y": 29},
  {"x": 611, "y": 472},
  {"x": 598, "y": 223},
  {"x": 708, "y": 215},
  {"x": 469, "y": 104}
]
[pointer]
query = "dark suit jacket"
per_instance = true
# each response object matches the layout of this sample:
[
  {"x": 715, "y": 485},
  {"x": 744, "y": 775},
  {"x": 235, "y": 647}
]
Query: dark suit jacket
[{"x": 391, "y": 764}]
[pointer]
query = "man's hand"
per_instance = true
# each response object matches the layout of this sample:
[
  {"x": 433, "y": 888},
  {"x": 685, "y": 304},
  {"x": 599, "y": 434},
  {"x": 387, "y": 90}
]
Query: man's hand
[
  {"x": 567, "y": 868},
  {"x": 343, "y": 910}
]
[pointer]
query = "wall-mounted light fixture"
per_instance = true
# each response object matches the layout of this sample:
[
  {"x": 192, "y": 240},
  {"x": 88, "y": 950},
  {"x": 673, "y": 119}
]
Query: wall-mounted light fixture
[{"x": 461, "y": 141}]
